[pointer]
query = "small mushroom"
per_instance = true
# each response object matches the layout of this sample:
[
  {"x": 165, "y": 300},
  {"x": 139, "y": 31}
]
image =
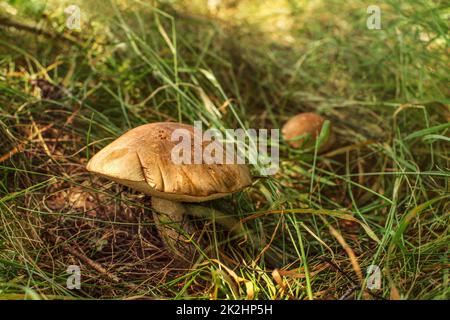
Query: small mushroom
[
  {"x": 297, "y": 128},
  {"x": 141, "y": 159}
]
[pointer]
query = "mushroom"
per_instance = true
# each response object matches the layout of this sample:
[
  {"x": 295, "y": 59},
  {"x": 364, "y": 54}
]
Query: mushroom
[
  {"x": 141, "y": 159},
  {"x": 299, "y": 126}
]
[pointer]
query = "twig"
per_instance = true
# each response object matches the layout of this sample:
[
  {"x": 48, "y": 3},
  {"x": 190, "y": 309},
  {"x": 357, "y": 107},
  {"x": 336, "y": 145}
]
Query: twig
[
  {"x": 94, "y": 265},
  {"x": 21, "y": 146},
  {"x": 5, "y": 23},
  {"x": 356, "y": 285}
]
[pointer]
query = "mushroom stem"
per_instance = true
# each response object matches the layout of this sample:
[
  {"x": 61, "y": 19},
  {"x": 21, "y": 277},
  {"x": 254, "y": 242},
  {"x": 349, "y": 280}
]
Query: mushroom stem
[
  {"x": 233, "y": 225},
  {"x": 173, "y": 227}
]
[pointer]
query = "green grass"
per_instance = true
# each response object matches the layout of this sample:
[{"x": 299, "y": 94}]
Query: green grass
[{"x": 380, "y": 196}]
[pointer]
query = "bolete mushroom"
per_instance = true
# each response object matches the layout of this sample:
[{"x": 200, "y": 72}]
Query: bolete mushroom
[
  {"x": 141, "y": 159},
  {"x": 297, "y": 128}
]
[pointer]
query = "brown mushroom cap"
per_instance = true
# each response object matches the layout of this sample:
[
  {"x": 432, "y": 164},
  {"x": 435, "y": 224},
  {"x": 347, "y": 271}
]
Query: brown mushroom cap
[
  {"x": 304, "y": 123},
  {"x": 141, "y": 159}
]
